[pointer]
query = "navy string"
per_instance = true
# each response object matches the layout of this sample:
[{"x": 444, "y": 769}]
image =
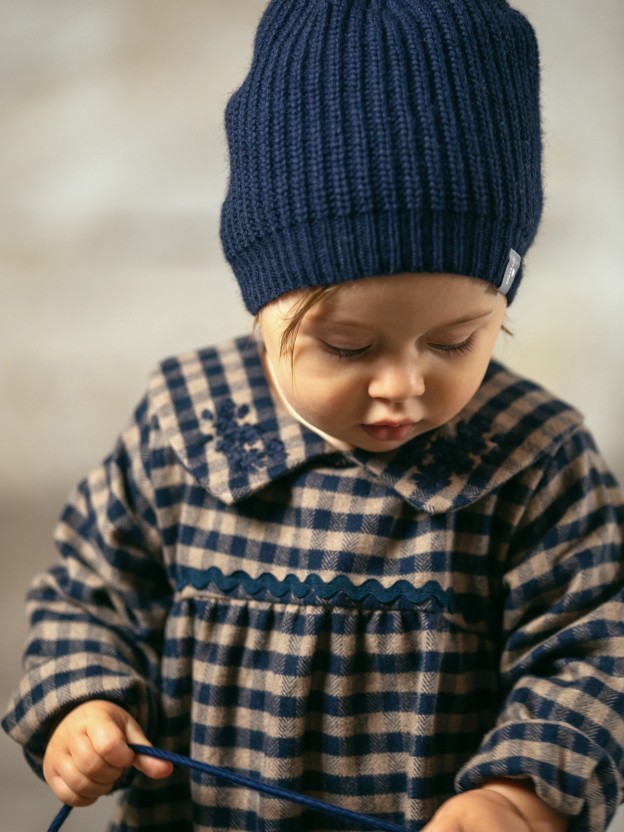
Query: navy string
[
  {"x": 59, "y": 820},
  {"x": 256, "y": 785}
]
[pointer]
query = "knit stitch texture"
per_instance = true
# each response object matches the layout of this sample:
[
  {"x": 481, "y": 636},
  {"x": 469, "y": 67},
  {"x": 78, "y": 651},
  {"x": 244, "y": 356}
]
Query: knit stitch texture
[{"x": 377, "y": 137}]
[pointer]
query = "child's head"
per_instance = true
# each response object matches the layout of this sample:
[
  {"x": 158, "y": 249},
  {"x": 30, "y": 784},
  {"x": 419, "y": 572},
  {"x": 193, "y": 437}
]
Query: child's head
[{"x": 397, "y": 144}]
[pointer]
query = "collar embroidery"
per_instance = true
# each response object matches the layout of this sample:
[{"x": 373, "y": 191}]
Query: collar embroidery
[{"x": 242, "y": 442}]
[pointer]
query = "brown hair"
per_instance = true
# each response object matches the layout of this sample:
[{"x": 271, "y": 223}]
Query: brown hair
[{"x": 309, "y": 299}]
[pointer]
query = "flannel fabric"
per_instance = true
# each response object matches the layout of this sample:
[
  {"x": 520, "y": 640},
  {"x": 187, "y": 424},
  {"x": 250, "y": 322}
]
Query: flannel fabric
[{"x": 379, "y": 630}]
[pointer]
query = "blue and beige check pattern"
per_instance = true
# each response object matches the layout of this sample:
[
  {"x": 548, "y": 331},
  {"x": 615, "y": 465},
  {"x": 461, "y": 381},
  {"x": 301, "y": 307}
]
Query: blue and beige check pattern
[{"x": 376, "y": 630}]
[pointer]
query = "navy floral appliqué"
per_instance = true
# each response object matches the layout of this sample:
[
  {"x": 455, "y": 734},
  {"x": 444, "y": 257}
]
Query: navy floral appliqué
[
  {"x": 462, "y": 453},
  {"x": 242, "y": 443}
]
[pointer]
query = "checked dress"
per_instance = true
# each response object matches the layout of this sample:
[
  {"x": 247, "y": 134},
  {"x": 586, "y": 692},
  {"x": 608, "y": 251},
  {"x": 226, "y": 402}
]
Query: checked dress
[{"x": 376, "y": 630}]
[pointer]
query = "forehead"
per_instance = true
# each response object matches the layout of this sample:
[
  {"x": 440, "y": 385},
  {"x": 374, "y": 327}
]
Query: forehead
[{"x": 427, "y": 297}]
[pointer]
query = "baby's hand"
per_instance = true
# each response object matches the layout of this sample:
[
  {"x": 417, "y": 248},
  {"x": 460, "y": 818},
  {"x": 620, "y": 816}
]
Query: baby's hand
[
  {"x": 88, "y": 752},
  {"x": 499, "y": 806}
]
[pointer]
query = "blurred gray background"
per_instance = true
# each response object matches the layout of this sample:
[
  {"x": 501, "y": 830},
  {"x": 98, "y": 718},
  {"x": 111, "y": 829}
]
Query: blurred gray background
[{"x": 112, "y": 170}]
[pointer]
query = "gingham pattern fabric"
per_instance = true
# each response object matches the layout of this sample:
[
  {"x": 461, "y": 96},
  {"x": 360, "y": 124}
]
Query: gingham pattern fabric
[{"x": 375, "y": 630}]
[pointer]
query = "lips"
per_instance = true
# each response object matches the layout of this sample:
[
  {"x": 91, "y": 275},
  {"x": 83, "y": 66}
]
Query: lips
[{"x": 389, "y": 431}]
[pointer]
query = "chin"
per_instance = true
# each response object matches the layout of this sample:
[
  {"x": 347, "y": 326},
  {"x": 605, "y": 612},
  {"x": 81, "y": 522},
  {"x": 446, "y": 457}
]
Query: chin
[{"x": 380, "y": 447}]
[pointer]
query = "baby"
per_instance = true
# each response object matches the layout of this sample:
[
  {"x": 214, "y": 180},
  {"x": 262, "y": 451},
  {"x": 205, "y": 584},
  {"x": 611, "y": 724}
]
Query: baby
[{"x": 352, "y": 555}]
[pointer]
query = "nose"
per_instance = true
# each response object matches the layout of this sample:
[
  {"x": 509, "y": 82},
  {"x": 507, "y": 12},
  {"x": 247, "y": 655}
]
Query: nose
[{"x": 397, "y": 381}]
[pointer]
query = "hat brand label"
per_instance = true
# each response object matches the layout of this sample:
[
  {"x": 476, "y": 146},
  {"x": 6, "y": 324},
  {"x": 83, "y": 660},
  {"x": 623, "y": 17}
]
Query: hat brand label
[{"x": 511, "y": 270}]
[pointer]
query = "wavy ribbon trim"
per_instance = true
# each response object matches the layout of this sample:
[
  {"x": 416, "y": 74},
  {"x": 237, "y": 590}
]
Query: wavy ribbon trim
[{"x": 294, "y": 587}]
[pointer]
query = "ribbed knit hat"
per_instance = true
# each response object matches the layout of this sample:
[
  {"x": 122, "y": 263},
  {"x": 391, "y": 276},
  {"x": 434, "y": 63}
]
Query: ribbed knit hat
[{"x": 377, "y": 137}]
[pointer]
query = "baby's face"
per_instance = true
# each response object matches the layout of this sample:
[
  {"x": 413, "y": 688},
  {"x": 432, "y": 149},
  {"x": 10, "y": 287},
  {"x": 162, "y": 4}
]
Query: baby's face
[{"x": 385, "y": 359}]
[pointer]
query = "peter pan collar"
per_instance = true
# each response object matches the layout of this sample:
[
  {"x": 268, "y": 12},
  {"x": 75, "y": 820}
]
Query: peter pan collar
[{"x": 217, "y": 413}]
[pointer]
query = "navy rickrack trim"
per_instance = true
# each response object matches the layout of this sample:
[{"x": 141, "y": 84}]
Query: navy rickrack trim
[
  {"x": 257, "y": 785},
  {"x": 314, "y": 584}
]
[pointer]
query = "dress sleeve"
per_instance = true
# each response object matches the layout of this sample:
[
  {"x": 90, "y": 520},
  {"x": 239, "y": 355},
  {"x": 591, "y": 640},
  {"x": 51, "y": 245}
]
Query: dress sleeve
[
  {"x": 97, "y": 617},
  {"x": 562, "y": 660}
]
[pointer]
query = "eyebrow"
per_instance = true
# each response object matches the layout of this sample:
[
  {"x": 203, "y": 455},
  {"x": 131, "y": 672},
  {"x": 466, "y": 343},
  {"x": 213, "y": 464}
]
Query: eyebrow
[{"x": 465, "y": 319}]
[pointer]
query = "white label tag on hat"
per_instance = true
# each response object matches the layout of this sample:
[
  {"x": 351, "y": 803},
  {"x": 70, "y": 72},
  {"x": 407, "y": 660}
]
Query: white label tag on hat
[{"x": 511, "y": 270}]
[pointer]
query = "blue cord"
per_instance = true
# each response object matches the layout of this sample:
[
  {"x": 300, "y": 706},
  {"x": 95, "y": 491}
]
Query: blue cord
[
  {"x": 59, "y": 820},
  {"x": 256, "y": 785}
]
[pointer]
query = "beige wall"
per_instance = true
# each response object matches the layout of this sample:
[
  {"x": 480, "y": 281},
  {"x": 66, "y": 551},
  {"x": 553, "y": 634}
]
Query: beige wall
[{"x": 112, "y": 169}]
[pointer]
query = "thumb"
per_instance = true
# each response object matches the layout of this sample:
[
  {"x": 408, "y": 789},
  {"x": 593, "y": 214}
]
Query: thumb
[{"x": 150, "y": 766}]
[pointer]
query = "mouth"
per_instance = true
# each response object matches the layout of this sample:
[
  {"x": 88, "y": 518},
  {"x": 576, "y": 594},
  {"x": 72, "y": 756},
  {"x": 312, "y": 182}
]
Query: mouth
[{"x": 389, "y": 431}]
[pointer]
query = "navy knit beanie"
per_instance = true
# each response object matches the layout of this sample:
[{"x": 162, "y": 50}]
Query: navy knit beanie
[{"x": 377, "y": 137}]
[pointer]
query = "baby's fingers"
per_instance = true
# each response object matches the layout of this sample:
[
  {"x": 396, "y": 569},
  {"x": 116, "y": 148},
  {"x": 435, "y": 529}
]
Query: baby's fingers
[
  {"x": 156, "y": 769},
  {"x": 73, "y": 787},
  {"x": 108, "y": 740},
  {"x": 113, "y": 747},
  {"x": 91, "y": 764}
]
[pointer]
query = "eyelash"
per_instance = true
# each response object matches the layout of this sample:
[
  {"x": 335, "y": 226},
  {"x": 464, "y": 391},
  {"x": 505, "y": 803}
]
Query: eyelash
[
  {"x": 448, "y": 350},
  {"x": 456, "y": 349},
  {"x": 340, "y": 352}
]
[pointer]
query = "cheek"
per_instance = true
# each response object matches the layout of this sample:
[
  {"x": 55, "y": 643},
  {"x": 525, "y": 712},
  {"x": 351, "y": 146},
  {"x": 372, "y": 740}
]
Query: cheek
[
  {"x": 450, "y": 390},
  {"x": 321, "y": 392},
  {"x": 323, "y": 395}
]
